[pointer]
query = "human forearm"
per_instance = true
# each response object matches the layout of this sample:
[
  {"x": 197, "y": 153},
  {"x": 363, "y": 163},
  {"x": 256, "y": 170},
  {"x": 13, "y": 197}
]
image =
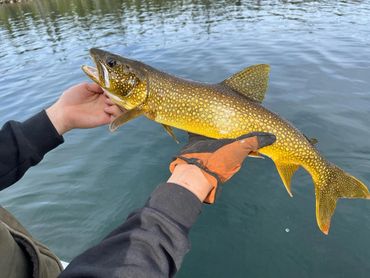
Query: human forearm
[
  {"x": 24, "y": 144},
  {"x": 151, "y": 243}
]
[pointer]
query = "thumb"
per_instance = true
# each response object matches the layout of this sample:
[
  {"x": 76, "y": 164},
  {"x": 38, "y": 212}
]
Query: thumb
[
  {"x": 256, "y": 140},
  {"x": 236, "y": 152},
  {"x": 94, "y": 88}
]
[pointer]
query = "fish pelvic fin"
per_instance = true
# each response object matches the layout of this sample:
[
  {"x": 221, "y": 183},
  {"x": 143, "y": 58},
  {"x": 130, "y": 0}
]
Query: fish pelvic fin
[
  {"x": 331, "y": 185},
  {"x": 170, "y": 132},
  {"x": 251, "y": 82},
  {"x": 286, "y": 171}
]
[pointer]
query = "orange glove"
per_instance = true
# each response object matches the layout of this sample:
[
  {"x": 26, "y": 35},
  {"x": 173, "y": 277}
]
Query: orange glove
[{"x": 220, "y": 159}]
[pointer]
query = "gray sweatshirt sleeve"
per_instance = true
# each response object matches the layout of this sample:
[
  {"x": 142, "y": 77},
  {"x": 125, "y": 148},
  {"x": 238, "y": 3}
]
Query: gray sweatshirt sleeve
[{"x": 152, "y": 242}]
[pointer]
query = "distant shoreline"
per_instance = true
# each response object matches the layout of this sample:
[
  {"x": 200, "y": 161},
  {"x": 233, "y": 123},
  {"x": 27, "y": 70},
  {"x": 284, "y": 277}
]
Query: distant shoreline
[{"x": 11, "y": 1}]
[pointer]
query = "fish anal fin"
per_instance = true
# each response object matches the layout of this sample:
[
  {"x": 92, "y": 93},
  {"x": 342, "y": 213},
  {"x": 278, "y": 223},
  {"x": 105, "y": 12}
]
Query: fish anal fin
[
  {"x": 124, "y": 118},
  {"x": 256, "y": 154},
  {"x": 286, "y": 172},
  {"x": 169, "y": 130},
  {"x": 251, "y": 82}
]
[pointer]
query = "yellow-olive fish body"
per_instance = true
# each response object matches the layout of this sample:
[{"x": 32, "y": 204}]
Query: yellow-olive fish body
[{"x": 224, "y": 110}]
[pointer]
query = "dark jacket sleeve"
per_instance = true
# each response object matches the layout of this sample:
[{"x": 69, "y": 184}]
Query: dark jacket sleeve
[
  {"x": 150, "y": 243},
  {"x": 23, "y": 145}
]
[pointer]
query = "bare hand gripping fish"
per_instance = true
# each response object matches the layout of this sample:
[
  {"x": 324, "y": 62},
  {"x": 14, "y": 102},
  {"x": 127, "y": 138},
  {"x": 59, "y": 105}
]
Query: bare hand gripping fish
[{"x": 224, "y": 110}]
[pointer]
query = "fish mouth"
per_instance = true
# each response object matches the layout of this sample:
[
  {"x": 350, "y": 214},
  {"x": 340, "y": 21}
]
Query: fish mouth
[
  {"x": 98, "y": 74},
  {"x": 92, "y": 73}
]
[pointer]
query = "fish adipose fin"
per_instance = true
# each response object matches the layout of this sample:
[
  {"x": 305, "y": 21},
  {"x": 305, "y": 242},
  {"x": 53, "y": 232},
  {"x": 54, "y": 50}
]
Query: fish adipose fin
[
  {"x": 286, "y": 172},
  {"x": 251, "y": 82},
  {"x": 169, "y": 130},
  {"x": 333, "y": 184},
  {"x": 124, "y": 118},
  {"x": 313, "y": 141}
]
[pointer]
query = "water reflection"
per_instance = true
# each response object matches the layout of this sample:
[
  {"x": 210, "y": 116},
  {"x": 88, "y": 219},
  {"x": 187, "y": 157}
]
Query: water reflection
[{"x": 51, "y": 20}]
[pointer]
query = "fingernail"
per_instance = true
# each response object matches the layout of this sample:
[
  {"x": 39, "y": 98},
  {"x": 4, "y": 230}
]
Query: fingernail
[
  {"x": 242, "y": 141},
  {"x": 265, "y": 140}
]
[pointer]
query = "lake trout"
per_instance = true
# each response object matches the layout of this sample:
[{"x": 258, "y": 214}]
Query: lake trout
[{"x": 227, "y": 109}]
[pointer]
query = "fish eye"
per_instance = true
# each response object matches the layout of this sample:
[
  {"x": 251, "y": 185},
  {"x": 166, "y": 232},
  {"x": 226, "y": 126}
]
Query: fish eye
[{"x": 111, "y": 62}]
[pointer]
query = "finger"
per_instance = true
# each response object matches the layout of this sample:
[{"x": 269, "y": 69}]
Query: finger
[
  {"x": 193, "y": 137},
  {"x": 248, "y": 144},
  {"x": 106, "y": 119},
  {"x": 108, "y": 101},
  {"x": 238, "y": 150},
  {"x": 234, "y": 153},
  {"x": 95, "y": 88},
  {"x": 122, "y": 109},
  {"x": 113, "y": 110},
  {"x": 263, "y": 139}
]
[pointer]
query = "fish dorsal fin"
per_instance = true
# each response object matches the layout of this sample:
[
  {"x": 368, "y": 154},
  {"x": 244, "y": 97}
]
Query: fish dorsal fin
[{"x": 251, "y": 82}]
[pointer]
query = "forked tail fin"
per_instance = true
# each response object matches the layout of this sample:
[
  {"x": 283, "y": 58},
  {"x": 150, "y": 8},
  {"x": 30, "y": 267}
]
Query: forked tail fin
[{"x": 331, "y": 185}]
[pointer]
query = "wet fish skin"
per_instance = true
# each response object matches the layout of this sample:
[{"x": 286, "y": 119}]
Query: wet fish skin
[{"x": 224, "y": 110}]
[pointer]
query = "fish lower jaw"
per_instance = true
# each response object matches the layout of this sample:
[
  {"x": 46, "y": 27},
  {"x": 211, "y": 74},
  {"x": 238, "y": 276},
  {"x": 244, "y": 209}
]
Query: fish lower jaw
[
  {"x": 116, "y": 100},
  {"x": 92, "y": 73},
  {"x": 113, "y": 97}
]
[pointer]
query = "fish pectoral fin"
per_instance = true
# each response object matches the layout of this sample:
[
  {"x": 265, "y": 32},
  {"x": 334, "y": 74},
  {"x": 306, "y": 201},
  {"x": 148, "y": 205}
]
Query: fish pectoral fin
[
  {"x": 256, "y": 154},
  {"x": 251, "y": 82},
  {"x": 169, "y": 130},
  {"x": 286, "y": 171},
  {"x": 124, "y": 118}
]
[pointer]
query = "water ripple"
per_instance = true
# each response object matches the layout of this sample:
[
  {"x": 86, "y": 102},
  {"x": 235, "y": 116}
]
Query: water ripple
[{"x": 320, "y": 59}]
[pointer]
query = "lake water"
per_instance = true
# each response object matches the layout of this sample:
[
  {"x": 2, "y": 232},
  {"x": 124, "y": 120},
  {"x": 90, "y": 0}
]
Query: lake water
[{"x": 319, "y": 52}]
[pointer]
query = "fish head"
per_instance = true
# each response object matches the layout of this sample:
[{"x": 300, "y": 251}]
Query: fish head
[{"x": 119, "y": 77}]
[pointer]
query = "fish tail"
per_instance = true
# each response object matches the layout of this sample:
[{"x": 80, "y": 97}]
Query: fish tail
[{"x": 332, "y": 183}]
